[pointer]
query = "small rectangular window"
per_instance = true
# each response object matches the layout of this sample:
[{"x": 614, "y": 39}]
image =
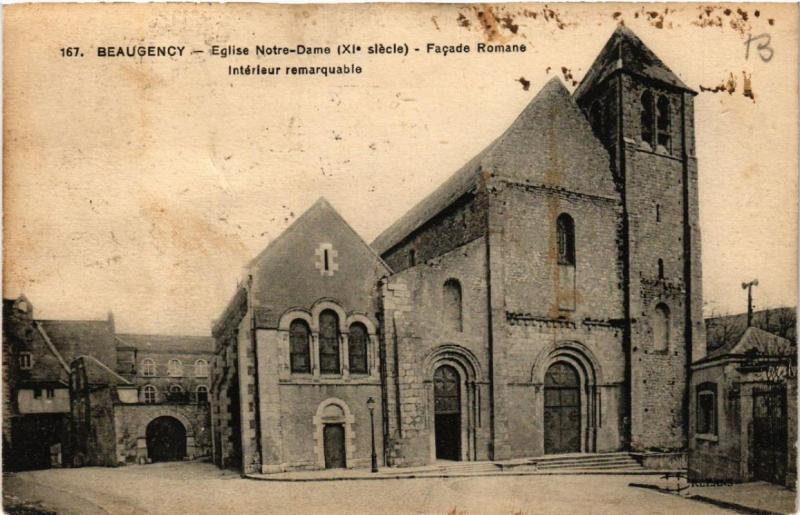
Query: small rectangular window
[
  {"x": 413, "y": 257},
  {"x": 50, "y": 393},
  {"x": 37, "y": 393},
  {"x": 707, "y": 409},
  {"x": 25, "y": 360}
]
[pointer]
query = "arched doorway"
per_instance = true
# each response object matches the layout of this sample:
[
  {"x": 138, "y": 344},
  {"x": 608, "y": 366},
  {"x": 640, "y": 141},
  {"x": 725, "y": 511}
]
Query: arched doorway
[
  {"x": 447, "y": 412},
  {"x": 562, "y": 409},
  {"x": 333, "y": 434},
  {"x": 166, "y": 439}
]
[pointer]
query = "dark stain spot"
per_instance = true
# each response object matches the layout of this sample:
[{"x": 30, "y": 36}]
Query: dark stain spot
[
  {"x": 508, "y": 23},
  {"x": 526, "y": 84},
  {"x": 771, "y": 21},
  {"x": 747, "y": 88},
  {"x": 616, "y": 15},
  {"x": 728, "y": 85},
  {"x": 756, "y": 13},
  {"x": 462, "y": 20}
]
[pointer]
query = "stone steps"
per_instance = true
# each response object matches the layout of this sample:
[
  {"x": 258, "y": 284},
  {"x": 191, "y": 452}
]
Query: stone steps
[
  {"x": 606, "y": 461},
  {"x": 617, "y": 461}
]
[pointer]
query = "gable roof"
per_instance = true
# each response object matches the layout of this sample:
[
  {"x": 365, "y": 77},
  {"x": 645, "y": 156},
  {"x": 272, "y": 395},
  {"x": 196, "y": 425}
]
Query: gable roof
[
  {"x": 323, "y": 205},
  {"x": 626, "y": 52},
  {"x": 465, "y": 180},
  {"x": 727, "y": 330},
  {"x": 526, "y": 151},
  {"x": 754, "y": 339},
  {"x": 74, "y": 337}
]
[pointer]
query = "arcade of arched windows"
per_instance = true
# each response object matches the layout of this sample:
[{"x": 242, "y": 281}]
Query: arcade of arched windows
[{"x": 328, "y": 343}]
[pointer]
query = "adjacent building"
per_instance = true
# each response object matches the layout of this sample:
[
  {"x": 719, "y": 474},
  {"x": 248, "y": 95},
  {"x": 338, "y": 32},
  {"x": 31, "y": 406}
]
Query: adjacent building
[
  {"x": 78, "y": 393},
  {"x": 744, "y": 404},
  {"x": 545, "y": 299}
]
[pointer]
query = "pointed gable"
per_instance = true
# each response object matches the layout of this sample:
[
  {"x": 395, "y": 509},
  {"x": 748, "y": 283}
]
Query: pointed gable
[
  {"x": 624, "y": 51},
  {"x": 319, "y": 256},
  {"x": 549, "y": 144}
]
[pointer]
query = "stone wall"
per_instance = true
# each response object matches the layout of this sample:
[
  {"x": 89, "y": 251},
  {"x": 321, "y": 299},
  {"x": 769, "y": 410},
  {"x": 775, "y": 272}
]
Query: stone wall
[
  {"x": 536, "y": 328},
  {"x": 294, "y": 407},
  {"x": 659, "y": 188},
  {"x": 462, "y": 222},
  {"x": 417, "y": 340},
  {"x": 130, "y": 427}
]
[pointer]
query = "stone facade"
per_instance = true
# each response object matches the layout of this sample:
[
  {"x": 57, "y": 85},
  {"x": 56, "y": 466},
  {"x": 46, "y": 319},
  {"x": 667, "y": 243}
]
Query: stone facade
[
  {"x": 130, "y": 428},
  {"x": 546, "y": 298}
]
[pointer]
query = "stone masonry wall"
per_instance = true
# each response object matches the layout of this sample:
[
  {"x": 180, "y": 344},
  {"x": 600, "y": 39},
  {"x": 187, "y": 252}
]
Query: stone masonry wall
[
  {"x": 131, "y": 420},
  {"x": 655, "y": 200},
  {"x": 459, "y": 224},
  {"x": 416, "y": 338}
]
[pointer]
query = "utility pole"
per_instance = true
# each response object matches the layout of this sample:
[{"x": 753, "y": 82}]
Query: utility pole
[{"x": 749, "y": 288}]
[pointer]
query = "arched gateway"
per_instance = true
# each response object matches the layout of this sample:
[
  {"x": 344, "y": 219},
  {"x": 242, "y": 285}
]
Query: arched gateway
[{"x": 166, "y": 439}]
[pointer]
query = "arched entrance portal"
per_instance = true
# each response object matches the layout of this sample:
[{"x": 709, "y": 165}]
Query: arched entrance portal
[
  {"x": 562, "y": 409},
  {"x": 447, "y": 411},
  {"x": 166, "y": 439}
]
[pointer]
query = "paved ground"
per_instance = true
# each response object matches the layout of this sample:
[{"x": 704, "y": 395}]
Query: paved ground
[{"x": 200, "y": 488}]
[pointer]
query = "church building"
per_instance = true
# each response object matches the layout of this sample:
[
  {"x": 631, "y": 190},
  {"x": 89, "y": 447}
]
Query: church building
[{"x": 545, "y": 299}]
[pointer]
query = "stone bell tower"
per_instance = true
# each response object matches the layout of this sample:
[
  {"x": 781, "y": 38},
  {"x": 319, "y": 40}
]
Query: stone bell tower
[{"x": 644, "y": 115}]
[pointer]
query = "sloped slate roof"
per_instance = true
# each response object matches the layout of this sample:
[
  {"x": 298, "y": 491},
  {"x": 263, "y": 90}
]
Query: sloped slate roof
[
  {"x": 729, "y": 329},
  {"x": 74, "y": 337},
  {"x": 754, "y": 339},
  {"x": 99, "y": 373},
  {"x": 461, "y": 182},
  {"x": 625, "y": 51},
  {"x": 533, "y": 149},
  {"x": 166, "y": 343}
]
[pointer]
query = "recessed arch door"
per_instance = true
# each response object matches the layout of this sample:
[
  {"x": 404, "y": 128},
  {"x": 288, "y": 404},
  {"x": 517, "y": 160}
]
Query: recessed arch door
[
  {"x": 447, "y": 410},
  {"x": 562, "y": 409},
  {"x": 166, "y": 439}
]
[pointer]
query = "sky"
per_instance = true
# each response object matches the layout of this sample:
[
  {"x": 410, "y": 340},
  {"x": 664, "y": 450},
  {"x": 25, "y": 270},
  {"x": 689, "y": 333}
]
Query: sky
[{"x": 143, "y": 186}]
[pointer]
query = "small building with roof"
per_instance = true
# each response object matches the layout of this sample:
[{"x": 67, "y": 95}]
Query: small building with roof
[{"x": 743, "y": 424}]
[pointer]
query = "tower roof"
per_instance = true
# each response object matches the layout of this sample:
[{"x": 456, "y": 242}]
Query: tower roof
[{"x": 625, "y": 52}]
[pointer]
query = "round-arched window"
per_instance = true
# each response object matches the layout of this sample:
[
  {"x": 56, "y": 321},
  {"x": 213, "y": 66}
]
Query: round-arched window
[
  {"x": 149, "y": 394},
  {"x": 148, "y": 367}
]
